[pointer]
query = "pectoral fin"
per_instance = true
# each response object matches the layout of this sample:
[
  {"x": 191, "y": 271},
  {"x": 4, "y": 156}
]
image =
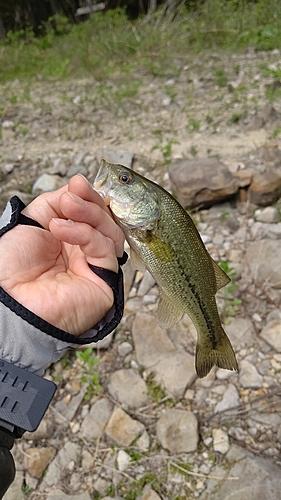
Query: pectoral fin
[
  {"x": 167, "y": 313},
  {"x": 162, "y": 251},
  {"x": 221, "y": 277}
]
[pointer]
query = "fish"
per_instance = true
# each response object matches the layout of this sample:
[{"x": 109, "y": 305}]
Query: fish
[{"x": 164, "y": 240}]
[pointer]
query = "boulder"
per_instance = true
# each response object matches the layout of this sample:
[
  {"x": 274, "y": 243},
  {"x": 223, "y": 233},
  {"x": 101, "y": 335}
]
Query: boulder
[
  {"x": 202, "y": 182},
  {"x": 265, "y": 188}
]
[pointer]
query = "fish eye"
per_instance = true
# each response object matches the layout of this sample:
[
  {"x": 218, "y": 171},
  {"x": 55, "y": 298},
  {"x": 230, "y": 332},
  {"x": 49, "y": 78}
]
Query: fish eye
[{"x": 125, "y": 178}]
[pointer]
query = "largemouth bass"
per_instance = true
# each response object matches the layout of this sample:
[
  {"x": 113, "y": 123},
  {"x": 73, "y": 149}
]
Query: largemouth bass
[{"x": 164, "y": 240}]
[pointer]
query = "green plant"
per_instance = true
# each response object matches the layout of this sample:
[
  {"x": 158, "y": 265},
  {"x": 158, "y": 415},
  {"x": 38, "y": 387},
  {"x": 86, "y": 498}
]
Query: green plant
[
  {"x": 155, "y": 390},
  {"x": 90, "y": 377},
  {"x": 275, "y": 133},
  {"x": 23, "y": 129},
  {"x": 235, "y": 117},
  {"x": 166, "y": 149},
  {"x": 65, "y": 361},
  {"x": 193, "y": 151},
  {"x": 227, "y": 294},
  {"x": 25, "y": 489},
  {"x": 220, "y": 77},
  {"x": 137, "y": 488},
  {"x": 273, "y": 93},
  {"x": 135, "y": 454},
  {"x": 13, "y": 99},
  {"x": 193, "y": 125}
]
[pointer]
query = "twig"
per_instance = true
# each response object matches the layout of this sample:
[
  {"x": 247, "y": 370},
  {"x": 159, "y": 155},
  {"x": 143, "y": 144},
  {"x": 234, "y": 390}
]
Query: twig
[
  {"x": 117, "y": 471},
  {"x": 199, "y": 474},
  {"x": 152, "y": 405}
]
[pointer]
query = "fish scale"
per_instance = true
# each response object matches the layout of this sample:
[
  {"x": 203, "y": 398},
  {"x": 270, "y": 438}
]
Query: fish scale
[{"x": 164, "y": 240}]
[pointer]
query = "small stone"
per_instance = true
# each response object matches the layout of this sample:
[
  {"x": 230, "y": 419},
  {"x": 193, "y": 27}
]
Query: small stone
[
  {"x": 271, "y": 333},
  {"x": 7, "y": 168},
  {"x": 149, "y": 494},
  {"x": 124, "y": 349},
  {"x": 123, "y": 460},
  {"x": 175, "y": 371},
  {"x": 249, "y": 376},
  {"x": 268, "y": 214},
  {"x": 143, "y": 442},
  {"x": 220, "y": 440},
  {"x": 128, "y": 387},
  {"x": 151, "y": 341},
  {"x": 230, "y": 399},
  {"x": 177, "y": 431},
  {"x": 8, "y": 124},
  {"x": 68, "y": 453},
  {"x": 47, "y": 182},
  {"x": 123, "y": 429},
  {"x": 69, "y": 406},
  {"x": 94, "y": 423},
  {"x": 88, "y": 460},
  {"x": 101, "y": 485},
  {"x": 36, "y": 460}
]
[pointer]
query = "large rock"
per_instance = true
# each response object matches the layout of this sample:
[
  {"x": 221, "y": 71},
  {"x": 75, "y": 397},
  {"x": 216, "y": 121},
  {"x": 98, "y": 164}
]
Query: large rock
[
  {"x": 36, "y": 460},
  {"x": 155, "y": 351},
  {"x": 177, "y": 431},
  {"x": 96, "y": 420},
  {"x": 123, "y": 429},
  {"x": 265, "y": 188},
  {"x": 263, "y": 259},
  {"x": 128, "y": 387},
  {"x": 202, "y": 182},
  {"x": 257, "y": 478},
  {"x": 271, "y": 333}
]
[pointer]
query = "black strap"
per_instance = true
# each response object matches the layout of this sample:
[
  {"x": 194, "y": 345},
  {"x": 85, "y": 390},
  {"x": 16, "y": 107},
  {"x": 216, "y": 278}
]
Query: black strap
[
  {"x": 7, "y": 464},
  {"x": 110, "y": 277},
  {"x": 27, "y": 221}
]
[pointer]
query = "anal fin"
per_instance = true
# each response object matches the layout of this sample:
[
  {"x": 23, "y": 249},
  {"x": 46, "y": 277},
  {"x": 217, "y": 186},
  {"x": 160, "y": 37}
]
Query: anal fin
[{"x": 167, "y": 313}]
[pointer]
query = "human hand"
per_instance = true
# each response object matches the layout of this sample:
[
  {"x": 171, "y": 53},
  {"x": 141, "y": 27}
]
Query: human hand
[{"x": 47, "y": 270}]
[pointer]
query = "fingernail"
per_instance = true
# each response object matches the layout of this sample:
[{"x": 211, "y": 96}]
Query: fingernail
[
  {"x": 85, "y": 179},
  {"x": 63, "y": 222}
]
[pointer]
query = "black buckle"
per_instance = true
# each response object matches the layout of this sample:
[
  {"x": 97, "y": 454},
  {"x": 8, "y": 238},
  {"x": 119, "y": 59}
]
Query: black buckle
[{"x": 24, "y": 397}]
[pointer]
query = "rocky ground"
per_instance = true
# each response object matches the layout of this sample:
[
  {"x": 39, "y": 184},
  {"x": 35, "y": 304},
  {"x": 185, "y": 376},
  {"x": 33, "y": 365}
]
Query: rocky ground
[{"x": 140, "y": 424}]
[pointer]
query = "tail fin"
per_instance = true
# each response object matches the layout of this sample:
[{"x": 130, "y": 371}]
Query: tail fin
[{"x": 222, "y": 355}]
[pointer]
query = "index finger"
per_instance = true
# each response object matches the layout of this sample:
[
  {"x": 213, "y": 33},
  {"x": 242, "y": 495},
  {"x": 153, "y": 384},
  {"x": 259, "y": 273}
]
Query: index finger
[{"x": 47, "y": 205}]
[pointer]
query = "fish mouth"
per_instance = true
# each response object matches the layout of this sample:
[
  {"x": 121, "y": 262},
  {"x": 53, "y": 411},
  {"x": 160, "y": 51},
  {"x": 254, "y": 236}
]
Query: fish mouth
[{"x": 102, "y": 183}]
